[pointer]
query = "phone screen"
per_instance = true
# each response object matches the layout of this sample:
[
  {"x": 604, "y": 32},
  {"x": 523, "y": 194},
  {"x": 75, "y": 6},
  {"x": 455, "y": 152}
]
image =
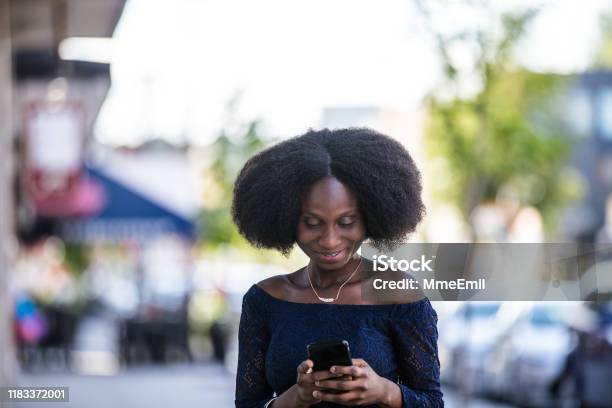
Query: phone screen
[{"x": 325, "y": 354}]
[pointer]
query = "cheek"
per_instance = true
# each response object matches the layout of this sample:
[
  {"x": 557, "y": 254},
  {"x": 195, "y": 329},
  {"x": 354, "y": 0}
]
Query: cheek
[
  {"x": 358, "y": 233},
  {"x": 305, "y": 235}
]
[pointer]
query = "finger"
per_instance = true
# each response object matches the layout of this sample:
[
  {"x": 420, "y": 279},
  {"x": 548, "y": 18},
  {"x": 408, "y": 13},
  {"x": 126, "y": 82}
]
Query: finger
[
  {"x": 353, "y": 371},
  {"x": 323, "y": 375},
  {"x": 303, "y": 373},
  {"x": 359, "y": 362},
  {"x": 305, "y": 367},
  {"x": 316, "y": 397},
  {"x": 349, "y": 397},
  {"x": 340, "y": 385}
]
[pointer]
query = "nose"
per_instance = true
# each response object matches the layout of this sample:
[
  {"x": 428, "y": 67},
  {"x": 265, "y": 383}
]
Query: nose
[{"x": 330, "y": 240}]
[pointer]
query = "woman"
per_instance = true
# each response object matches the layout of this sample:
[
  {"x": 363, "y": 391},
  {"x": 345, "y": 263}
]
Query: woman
[{"x": 327, "y": 191}]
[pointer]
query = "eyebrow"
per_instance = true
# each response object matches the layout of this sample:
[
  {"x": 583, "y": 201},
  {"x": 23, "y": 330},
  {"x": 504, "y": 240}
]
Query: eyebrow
[{"x": 344, "y": 214}]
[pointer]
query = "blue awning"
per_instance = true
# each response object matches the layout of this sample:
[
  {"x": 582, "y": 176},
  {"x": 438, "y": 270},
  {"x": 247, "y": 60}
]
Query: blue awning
[{"x": 126, "y": 214}]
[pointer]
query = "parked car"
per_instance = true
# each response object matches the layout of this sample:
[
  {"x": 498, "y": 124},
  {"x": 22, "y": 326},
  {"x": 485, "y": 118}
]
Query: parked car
[
  {"x": 464, "y": 339},
  {"x": 523, "y": 364}
]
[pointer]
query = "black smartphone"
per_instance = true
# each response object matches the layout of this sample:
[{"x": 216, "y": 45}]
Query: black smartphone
[{"x": 325, "y": 354}]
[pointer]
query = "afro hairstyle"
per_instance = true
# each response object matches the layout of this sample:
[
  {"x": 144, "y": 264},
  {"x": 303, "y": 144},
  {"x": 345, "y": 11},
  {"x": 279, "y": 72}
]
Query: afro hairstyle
[{"x": 269, "y": 189}]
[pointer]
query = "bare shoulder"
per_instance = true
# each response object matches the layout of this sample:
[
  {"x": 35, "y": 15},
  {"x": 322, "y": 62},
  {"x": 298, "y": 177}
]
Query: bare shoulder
[
  {"x": 285, "y": 287},
  {"x": 277, "y": 286}
]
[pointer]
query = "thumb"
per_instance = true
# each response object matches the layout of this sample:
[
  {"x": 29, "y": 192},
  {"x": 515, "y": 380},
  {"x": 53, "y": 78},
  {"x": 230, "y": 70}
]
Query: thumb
[
  {"x": 305, "y": 366},
  {"x": 359, "y": 362}
]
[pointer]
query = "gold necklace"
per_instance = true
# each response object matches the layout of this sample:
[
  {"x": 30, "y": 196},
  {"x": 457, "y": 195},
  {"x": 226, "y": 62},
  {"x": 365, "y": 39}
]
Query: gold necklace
[{"x": 329, "y": 300}]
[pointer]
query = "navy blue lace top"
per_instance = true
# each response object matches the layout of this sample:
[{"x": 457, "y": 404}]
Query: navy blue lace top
[{"x": 399, "y": 342}]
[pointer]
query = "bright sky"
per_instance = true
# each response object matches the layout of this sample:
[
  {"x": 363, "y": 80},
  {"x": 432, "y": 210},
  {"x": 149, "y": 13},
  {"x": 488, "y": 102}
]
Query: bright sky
[{"x": 177, "y": 63}]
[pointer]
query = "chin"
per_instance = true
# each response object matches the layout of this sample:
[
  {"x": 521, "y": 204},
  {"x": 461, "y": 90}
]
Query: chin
[{"x": 332, "y": 265}]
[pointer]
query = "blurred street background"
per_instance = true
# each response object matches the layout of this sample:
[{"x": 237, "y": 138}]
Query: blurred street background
[{"x": 123, "y": 124}]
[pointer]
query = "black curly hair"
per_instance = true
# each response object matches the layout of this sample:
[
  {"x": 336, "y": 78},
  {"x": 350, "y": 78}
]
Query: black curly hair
[{"x": 269, "y": 190}]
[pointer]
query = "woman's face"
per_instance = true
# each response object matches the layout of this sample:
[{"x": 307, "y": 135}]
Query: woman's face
[{"x": 331, "y": 227}]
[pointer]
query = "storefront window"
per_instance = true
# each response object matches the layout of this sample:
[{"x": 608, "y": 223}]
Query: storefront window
[
  {"x": 580, "y": 112},
  {"x": 605, "y": 112}
]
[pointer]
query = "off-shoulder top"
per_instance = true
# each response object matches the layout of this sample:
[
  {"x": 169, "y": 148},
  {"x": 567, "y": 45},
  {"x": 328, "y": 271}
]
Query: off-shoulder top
[{"x": 399, "y": 342}]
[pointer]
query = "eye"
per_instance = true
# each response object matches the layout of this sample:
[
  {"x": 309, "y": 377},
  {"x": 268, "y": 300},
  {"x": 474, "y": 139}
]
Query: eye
[
  {"x": 312, "y": 222},
  {"x": 346, "y": 222}
]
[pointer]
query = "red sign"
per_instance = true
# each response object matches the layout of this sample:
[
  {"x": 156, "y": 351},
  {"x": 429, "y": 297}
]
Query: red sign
[{"x": 54, "y": 150}]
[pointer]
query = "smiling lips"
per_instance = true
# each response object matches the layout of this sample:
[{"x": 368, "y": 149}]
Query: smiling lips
[{"x": 330, "y": 255}]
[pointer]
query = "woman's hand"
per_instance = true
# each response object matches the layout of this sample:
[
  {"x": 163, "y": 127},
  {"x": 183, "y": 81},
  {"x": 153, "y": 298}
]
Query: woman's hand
[
  {"x": 300, "y": 395},
  {"x": 305, "y": 385},
  {"x": 360, "y": 385}
]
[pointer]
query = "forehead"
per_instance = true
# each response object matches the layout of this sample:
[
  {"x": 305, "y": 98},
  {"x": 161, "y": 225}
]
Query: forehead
[{"x": 329, "y": 197}]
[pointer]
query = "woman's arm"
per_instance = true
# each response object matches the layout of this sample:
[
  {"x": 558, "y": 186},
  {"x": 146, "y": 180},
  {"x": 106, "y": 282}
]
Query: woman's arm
[
  {"x": 415, "y": 336},
  {"x": 252, "y": 389}
]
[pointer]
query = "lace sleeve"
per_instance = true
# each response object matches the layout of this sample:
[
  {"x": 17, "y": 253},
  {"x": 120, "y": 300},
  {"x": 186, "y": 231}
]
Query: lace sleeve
[
  {"x": 415, "y": 339},
  {"x": 252, "y": 389}
]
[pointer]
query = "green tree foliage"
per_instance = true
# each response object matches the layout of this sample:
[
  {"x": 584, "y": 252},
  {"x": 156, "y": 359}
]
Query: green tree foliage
[
  {"x": 507, "y": 136},
  {"x": 228, "y": 155},
  {"x": 603, "y": 55},
  {"x": 76, "y": 258}
]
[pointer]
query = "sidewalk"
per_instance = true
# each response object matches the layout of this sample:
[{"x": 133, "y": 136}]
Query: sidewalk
[
  {"x": 197, "y": 385},
  {"x": 181, "y": 385}
]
